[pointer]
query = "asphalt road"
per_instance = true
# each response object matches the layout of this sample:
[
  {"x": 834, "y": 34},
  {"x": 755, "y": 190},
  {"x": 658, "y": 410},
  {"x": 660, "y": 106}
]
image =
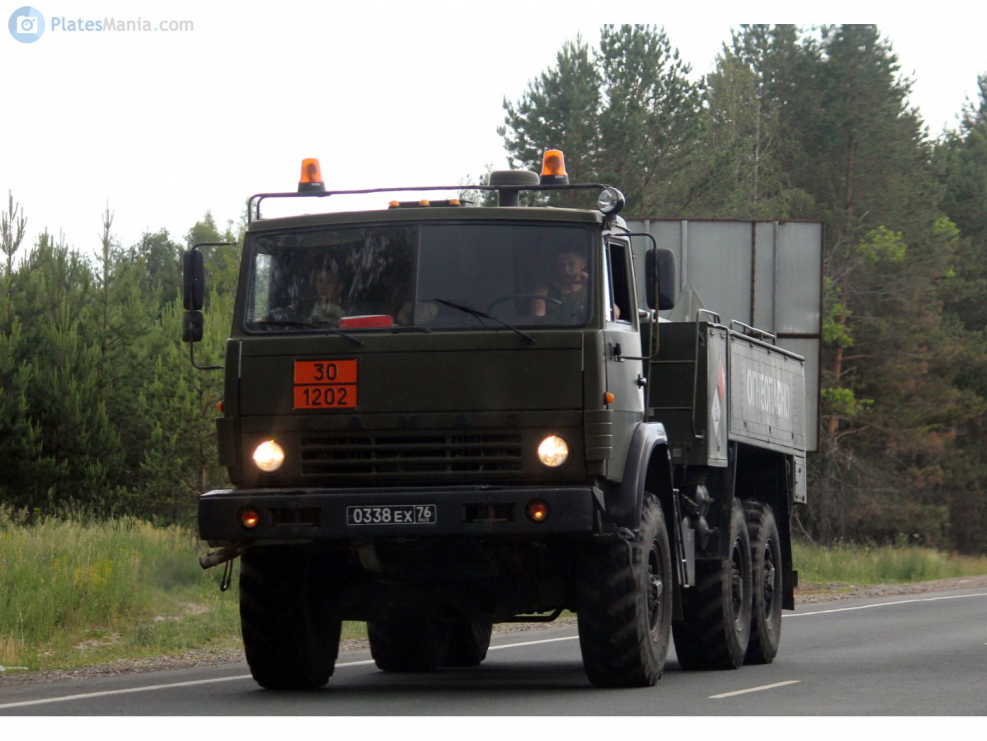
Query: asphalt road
[{"x": 918, "y": 656}]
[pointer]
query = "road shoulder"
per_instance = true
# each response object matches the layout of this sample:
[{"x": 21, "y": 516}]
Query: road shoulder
[{"x": 807, "y": 594}]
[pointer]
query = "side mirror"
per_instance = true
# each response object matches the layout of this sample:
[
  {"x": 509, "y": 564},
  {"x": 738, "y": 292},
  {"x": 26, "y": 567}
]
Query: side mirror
[
  {"x": 192, "y": 325},
  {"x": 660, "y": 274},
  {"x": 193, "y": 280},
  {"x": 193, "y": 298}
]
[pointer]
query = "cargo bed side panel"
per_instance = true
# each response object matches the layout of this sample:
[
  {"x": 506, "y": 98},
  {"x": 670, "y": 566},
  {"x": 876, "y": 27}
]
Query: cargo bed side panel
[{"x": 767, "y": 396}]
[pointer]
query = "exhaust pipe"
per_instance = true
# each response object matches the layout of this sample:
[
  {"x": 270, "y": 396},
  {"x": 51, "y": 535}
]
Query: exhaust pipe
[{"x": 221, "y": 556}]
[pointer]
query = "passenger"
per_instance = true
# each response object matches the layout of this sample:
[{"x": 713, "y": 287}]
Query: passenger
[
  {"x": 422, "y": 311},
  {"x": 327, "y": 309}
]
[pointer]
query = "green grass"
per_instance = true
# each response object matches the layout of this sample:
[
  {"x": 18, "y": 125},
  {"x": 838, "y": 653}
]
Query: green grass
[
  {"x": 861, "y": 565},
  {"x": 77, "y": 592},
  {"x": 80, "y": 591},
  {"x": 83, "y": 592}
]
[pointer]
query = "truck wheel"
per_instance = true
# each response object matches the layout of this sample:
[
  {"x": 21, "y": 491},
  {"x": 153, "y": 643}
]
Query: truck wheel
[
  {"x": 290, "y": 639},
  {"x": 625, "y": 606},
  {"x": 404, "y": 642},
  {"x": 467, "y": 643},
  {"x": 716, "y": 624},
  {"x": 766, "y": 604}
]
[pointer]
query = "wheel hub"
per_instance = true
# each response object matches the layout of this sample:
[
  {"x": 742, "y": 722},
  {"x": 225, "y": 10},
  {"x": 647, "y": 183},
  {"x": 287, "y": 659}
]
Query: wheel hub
[
  {"x": 737, "y": 585},
  {"x": 770, "y": 573},
  {"x": 655, "y": 589}
]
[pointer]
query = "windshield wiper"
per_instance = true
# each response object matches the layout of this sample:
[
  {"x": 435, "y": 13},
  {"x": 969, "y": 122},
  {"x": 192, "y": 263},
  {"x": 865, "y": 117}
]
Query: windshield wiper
[
  {"x": 483, "y": 315},
  {"x": 306, "y": 325}
]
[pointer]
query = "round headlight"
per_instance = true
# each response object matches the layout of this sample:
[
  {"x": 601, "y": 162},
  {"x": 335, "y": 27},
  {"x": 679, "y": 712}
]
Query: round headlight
[
  {"x": 269, "y": 456},
  {"x": 610, "y": 201},
  {"x": 553, "y": 451}
]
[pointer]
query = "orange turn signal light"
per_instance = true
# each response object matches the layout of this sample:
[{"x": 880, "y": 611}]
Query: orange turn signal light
[
  {"x": 608, "y": 398},
  {"x": 249, "y": 518},
  {"x": 536, "y": 510},
  {"x": 311, "y": 178}
]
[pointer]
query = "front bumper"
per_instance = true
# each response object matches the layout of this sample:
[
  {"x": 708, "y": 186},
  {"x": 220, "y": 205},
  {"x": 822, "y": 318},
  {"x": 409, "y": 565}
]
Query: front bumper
[{"x": 321, "y": 514}]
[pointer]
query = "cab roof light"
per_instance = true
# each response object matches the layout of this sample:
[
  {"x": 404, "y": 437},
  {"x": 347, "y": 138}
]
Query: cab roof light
[
  {"x": 610, "y": 202},
  {"x": 424, "y": 203},
  {"x": 553, "y": 168},
  {"x": 311, "y": 179}
]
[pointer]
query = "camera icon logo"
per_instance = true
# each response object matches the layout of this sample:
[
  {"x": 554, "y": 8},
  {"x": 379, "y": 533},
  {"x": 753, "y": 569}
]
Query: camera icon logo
[{"x": 26, "y": 24}]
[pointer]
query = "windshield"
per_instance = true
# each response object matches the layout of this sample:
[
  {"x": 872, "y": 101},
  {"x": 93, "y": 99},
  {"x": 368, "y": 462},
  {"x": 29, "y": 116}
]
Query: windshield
[{"x": 440, "y": 276}]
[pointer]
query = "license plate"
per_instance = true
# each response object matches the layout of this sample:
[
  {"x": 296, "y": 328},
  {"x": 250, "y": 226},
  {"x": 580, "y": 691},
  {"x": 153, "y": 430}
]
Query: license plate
[{"x": 392, "y": 514}]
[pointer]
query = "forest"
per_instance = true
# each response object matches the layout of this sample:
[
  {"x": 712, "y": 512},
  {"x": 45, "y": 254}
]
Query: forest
[{"x": 102, "y": 415}]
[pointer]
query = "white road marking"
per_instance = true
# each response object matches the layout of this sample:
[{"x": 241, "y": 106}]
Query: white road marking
[
  {"x": 365, "y": 662},
  {"x": 755, "y": 689},
  {"x": 884, "y": 604},
  {"x": 534, "y": 643},
  {"x": 149, "y": 688},
  {"x": 107, "y": 693}
]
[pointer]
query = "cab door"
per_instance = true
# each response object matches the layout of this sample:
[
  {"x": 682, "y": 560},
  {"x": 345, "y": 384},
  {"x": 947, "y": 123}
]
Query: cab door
[{"x": 625, "y": 370}]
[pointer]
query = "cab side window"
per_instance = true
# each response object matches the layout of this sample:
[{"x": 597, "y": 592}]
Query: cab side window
[{"x": 620, "y": 294}]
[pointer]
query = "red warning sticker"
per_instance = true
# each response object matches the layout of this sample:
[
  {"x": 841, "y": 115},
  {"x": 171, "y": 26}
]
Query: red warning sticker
[{"x": 721, "y": 380}]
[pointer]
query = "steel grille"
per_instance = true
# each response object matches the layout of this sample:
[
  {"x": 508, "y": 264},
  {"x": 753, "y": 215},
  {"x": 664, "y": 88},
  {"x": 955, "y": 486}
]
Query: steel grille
[{"x": 409, "y": 456}]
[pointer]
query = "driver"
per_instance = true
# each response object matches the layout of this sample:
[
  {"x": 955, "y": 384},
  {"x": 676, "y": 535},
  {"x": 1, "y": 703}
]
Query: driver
[{"x": 567, "y": 290}]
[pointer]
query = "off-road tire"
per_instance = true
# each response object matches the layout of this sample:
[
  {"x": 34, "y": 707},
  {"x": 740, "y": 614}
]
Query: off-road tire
[
  {"x": 405, "y": 642},
  {"x": 290, "y": 638},
  {"x": 467, "y": 642},
  {"x": 716, "y": 625},
  {"x": 625, "y": 606},
  {"x": 766, "y": 576}
]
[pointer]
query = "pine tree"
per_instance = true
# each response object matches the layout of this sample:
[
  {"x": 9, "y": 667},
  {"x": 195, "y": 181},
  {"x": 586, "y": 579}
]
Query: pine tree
[
  {"x": 748, "y": 148},
  {"x": 79, "y": 447},
  {"x": 158, "y": 259},
  {"x": 648, "y": 119},
  {"x": 127, "y": 345},
  {"x": 180, "y": 460},
  {"x": 624, "y": 116},
  {"x": 13, "y": 224},
  {"x": 885, "y": 401},
  {"x": 222, "y": 263},
  {"x": 20, "y": 438},
  {"x": 961, "y": 165},
  {"x": 560, "y": 110}
]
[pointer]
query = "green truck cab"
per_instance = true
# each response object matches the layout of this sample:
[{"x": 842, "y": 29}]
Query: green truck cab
[{"x": 440, "y": 416}]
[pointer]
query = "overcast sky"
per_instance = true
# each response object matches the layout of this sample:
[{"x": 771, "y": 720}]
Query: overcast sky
[{"x": 166, "y": 125}]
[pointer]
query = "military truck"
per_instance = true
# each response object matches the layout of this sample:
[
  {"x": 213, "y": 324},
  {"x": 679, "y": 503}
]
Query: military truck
[{"x": 439, "y": 416}]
